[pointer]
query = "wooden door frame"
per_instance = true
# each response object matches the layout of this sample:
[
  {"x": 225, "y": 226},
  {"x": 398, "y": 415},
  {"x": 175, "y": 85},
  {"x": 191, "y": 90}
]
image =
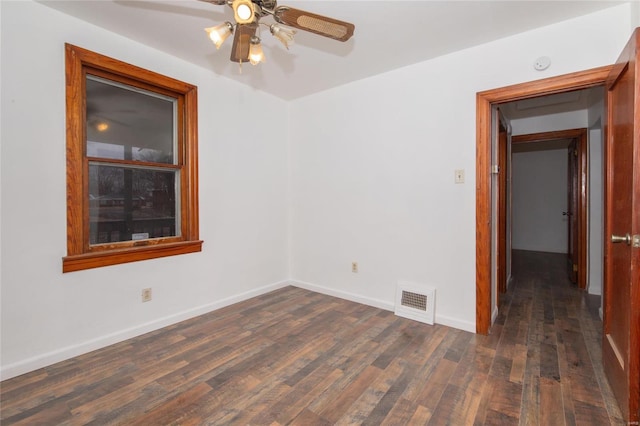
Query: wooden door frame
[
  {"x": 503, "y": 170},
  {"x": 573, "y": 197},
  {"x": 580, "y": 136},
  {"x": 484, "y": 101}
]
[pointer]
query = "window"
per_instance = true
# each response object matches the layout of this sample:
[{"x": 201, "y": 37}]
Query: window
[{"x": 132, "y": 189}]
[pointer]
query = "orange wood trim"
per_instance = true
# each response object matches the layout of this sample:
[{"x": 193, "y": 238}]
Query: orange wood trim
[
  {"x": 548, "y": 136},
  {"x": 134, "y": 254},
  {"x": 572, "y": 209},
  {"x": 134, "y": 163},
  {"x": 582, "y": 209},
  {"x": 75, "y": 119},
  {"x": 484, "y": 100},
  {"x": 123, "y": 245},
  {"x": 483, "y": 214},
  {"x": 113, "y": 66},
  {"x": 548, "y": 86},
  {"x": 191, "y": 163},
  {"x": 80, "y": 254}
]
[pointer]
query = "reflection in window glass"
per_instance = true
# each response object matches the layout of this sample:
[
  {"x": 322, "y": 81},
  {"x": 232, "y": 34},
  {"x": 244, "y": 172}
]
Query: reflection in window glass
[
  {"x": 117, "y": 152},
  {"x": 126, "y": 123},
  {"x": 131, "y": 204}
]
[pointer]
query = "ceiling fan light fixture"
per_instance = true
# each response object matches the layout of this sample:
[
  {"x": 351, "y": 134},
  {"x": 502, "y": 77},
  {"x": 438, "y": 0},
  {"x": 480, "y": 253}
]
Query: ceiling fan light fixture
[
  {"x": 247, "y": 45},
  {"x": 244, "y": 11},
  {"x": 285, "y": 35},
  {"x": 219, "y": 33},
  {"x": 256, "y": 55}
]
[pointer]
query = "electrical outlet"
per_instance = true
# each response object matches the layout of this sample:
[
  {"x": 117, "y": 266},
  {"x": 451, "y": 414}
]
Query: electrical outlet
[
  {"x": 354, "y": 267},
  {"x": 146, "y": 294}
]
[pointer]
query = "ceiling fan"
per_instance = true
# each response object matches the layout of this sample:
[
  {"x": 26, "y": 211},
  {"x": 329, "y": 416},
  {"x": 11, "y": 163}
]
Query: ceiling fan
[{"x": 247, "y": 14}]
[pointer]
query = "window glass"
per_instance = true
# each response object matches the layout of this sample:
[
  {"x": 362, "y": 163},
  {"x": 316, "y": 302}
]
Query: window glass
[
  {"x": 131, "y": 204},
  {"x": 126, "y": 123},
  {"x": 130, "y": 200}
]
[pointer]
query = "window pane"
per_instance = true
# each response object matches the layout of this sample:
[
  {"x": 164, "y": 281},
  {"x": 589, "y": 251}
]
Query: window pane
[
  {"x": 126, "y": 123},
  {"x": 131, "y": 204}
]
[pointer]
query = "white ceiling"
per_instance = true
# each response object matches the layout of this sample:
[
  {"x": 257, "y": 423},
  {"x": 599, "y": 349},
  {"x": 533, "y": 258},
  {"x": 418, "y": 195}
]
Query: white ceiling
[
  {"x": 552, "y": 104},
  {"x": 388, "y": 35}
]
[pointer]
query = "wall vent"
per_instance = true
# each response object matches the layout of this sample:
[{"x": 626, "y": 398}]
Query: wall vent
[{"x": 416, "y": 302}]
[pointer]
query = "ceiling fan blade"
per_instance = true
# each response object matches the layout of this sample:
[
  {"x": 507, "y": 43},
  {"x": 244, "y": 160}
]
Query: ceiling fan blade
[
  {"x": 317, "y": 24},
  {"x": 241, "y": 37}
]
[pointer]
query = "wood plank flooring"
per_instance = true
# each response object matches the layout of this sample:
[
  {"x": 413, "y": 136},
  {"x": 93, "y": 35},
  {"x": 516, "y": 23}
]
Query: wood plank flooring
[{"x": 297, "y": 357}]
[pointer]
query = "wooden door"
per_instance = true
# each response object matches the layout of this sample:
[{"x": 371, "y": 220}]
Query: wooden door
[
  {"x": 572, "y": 210},
  {"x": 621, "y": 340},
  {"x": 502, "y": 207}
]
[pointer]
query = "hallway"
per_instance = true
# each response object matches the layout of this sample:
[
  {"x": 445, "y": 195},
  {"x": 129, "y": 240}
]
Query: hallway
[{"x": 564, "y": 382}]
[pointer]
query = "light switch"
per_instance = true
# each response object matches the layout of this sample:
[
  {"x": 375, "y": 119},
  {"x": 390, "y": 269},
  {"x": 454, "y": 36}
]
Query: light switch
[{"x": 459, "y": 176}]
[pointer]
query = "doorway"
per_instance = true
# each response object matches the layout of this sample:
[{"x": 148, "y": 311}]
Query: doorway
[
  {"x": 552, "y": 185},
  {"x": 486, "y": 101},
  {"x": 621, "y": 335}
]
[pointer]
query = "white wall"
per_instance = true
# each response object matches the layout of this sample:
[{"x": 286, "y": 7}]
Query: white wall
[
  {"x": 495, "y": 135},
  {"x": 373, "y": 165},
  {"x": 1, "y": 38},
  {"x": 539, "y": 198},
  {"x": 596, "y": 194},
  {"x": 46, "y": 315},
  {"x": 550, "y": 122},
  {"x": 540, "y": 186},
  {"x": 596, "y": 216},
  {"x": 635, "y": 14}
]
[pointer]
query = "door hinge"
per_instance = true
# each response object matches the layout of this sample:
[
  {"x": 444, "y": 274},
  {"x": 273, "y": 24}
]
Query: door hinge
[
  {"x": 575, "y": 152},
  {"x": 575, "y": 267},
  {"x": 635, "y": 241},
  {"x": 495, "y": 169}
]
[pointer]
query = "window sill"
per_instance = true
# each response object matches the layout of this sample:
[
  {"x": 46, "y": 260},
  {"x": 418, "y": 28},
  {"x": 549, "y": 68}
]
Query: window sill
[{"x": 114, "y": 257}]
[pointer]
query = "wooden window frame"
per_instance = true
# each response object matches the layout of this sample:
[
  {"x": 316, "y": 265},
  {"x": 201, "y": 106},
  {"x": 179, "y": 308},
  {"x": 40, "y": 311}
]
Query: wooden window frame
[{"x": 80, "y": 254}]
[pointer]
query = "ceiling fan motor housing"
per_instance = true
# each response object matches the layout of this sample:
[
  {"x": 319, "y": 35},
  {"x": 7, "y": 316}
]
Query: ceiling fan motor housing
[{"x": 267, "y": 4}]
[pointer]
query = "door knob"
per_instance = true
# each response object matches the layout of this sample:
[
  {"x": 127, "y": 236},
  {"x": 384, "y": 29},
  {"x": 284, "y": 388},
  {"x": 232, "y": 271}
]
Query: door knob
[
  {"x": 619, "y": 239},
  {"x": 566, "y": 214}
]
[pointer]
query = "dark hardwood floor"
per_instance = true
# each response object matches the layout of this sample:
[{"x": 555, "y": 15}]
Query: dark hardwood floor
[{"x": 297, "y": 357}]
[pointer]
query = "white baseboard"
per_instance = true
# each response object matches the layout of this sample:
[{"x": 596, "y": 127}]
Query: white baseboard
[
  {"x": 380, "y": 304},
  {"x": 509, "y": 282},
  {"x": 376, "y": 303},
  {"x": 49, "y": 358},
  {"x": 40, "y": 361},
  {"x": 494, "y": 315},
  {"x": 456, "y": 323},
  {"x": 600, "y": 313}
]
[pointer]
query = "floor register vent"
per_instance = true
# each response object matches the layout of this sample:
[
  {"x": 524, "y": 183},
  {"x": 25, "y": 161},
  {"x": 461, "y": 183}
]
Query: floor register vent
[{"x": 416, "y": 302}]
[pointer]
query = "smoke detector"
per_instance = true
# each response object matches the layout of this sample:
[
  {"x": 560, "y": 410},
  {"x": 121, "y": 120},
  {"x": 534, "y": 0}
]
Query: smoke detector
[{"x": 542, "y": 63}]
